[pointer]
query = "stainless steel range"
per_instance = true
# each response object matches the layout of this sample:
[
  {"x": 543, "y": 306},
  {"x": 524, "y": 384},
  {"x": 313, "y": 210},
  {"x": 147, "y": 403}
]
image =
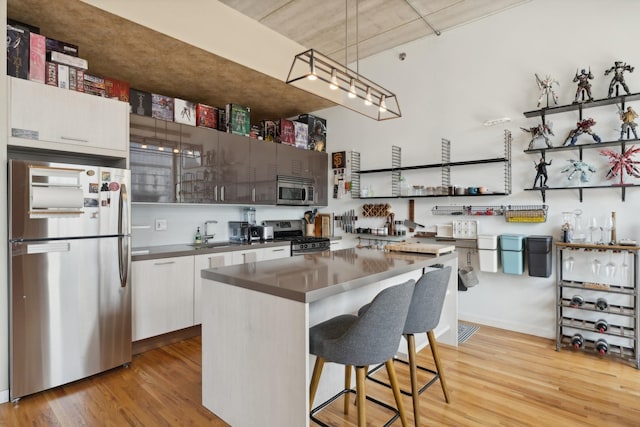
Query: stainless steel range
[{"x": 293, "y": 230}]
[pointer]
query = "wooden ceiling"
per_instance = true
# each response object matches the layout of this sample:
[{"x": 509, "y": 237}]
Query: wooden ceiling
[{"x": 157, "y": 63}]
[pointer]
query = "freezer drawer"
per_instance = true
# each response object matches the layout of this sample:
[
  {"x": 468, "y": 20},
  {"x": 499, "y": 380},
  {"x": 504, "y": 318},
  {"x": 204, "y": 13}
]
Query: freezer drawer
[{"x": 70, "y": 315}]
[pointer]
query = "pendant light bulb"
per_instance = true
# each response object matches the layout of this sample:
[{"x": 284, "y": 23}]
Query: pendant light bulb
[
  {"x": 367, "y": 98},
  {"x": 312, "y": 69},
  {"x": 383, "y": 105},
  {"x": 352, "y": 88},
  {"x": 334, "y": 80}
]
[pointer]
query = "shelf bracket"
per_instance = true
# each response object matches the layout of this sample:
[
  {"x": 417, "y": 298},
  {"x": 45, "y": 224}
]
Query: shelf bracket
[
  {"x": 624, "y": 190},
  {"x": 580, "y": 189},
  {"x": 543, "y": 192}
]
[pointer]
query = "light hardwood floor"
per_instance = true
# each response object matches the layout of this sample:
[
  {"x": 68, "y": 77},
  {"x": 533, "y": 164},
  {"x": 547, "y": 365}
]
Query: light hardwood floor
[{"x": 496, "y": 378}]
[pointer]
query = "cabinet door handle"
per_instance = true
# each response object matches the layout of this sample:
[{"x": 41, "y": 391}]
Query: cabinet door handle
[
  {"x": 277, "y": 250},
  {"x": 253, "y": 194},
  {"x": 215, "y": 193},
  {"x": 222, "y": 193},
  {"x": 68, "y": 138},
  {"x": 164, "y": 263}
]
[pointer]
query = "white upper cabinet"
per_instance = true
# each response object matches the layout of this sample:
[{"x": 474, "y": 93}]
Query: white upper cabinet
[{"x": 48, "y": 117}]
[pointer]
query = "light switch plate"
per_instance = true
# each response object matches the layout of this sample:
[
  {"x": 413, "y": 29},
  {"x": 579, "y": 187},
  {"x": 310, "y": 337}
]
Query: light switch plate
[{"x": 161, "y": 225}]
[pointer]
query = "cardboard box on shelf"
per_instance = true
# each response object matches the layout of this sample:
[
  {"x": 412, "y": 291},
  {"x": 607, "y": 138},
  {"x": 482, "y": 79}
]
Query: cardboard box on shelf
[
  {"x": 317, "y": 132},
  {"x": 140, "y": 102},
  {"x": 162, "y": 107},
  {"x": 238, "y": 119},
  {"x": 63, "y": 76},
  {"x": 206, "y": 116},
  {"x": 184, "y": 112},
  {"x": 51, "y": 74},
  {"x": 37, "y": 57},
  {"x": 18, "y": 52},
  {"x": 269, "y": 130},
  {"x": 287, "y": 132},
  {"x": 301, "y": 131},
  {"x": 54, "y": 45},
  {"x": 70, "y": 60},
  {"x": 117, "y": 89}
]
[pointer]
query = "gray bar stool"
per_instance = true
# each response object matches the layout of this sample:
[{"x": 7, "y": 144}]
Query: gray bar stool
[
  {"x": 361, "y": 341},
  {"x": 424, "y": 316}
]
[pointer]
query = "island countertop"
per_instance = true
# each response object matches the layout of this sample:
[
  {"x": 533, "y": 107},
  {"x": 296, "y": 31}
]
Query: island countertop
[{"x": 312, "y": 277}]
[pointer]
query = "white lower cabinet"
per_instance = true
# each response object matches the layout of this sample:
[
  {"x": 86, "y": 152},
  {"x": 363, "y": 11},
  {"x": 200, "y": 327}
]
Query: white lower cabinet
[
  {"x": 200, "y": 262},
  {"x": 166, "y": 292},
  {"x": 162, "y": 296}
]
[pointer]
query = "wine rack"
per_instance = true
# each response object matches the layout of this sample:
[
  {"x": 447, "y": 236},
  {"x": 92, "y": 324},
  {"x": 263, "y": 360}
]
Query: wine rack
[{"x": 619, "y": 289}]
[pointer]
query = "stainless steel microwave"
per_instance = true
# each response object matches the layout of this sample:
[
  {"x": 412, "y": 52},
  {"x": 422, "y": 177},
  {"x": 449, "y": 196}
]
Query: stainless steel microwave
[{"x": 295, "y": 191}]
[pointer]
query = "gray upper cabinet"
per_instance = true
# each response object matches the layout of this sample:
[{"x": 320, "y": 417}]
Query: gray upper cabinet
[
  {"x": 171, "y": 163},
  {"x": 154, "y": 160}
]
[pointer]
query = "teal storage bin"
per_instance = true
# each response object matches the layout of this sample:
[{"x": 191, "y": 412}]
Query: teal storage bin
[{"x": 512, "y": 253}]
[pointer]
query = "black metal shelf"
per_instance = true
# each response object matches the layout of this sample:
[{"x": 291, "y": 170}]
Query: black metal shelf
[
  {"x": 438, "y": 165},
  {"x": 582, "y": 105},
  {"x": 583, "y": 146},
  {"x": 543, "y": 190},
  {"x": 433, "y": 195}
]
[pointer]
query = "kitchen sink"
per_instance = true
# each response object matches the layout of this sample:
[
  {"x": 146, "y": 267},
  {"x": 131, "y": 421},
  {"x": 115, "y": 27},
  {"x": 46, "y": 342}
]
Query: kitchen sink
[{"x": 210, "y": 245}]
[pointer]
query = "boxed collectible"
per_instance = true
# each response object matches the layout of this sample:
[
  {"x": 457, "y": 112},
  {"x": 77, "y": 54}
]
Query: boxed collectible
[
  {"x": 206, "y": 116},
  {"x": 70, "y": 60},
  {"x": 317, "y": 131},
  {"x": 73, "y": 75},
  {"x": 222, "y": 119},
  {"x": 63, "y": 76},
  {"x": 287, "y": 132},
  {"x": 238, "y": 119},
  {"x": 301, "y": 131},
  {"x": 116, "y": 89},
  {"x": 18, "y": 52},
  {"x": 51, "y": 74},
  {"x": 269, "y": 130},
  {"x": 162, "y": 107},
  {"x": 184, "y": 112},
  {"x": 62, "y": 47},
  {"x": 37, "y": 57},
  {"x": 94, "y": 85},
  {"x": 140, "y": 102},
  {"x": 80, "y": 80}
]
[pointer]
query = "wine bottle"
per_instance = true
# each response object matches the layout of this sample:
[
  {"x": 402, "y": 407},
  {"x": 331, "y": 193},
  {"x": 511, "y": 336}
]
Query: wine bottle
[
  {"x": 602, "y": 326},
  {"x": 601, "y": 346},
  {"x": 577, "y": 341},
  {"x": 602, "y": 304},
  {"x": 577, "y": 301}
]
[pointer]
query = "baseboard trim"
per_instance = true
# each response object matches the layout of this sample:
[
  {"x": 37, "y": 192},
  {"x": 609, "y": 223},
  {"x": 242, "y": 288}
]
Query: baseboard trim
[{"x": 147, "y": 344}]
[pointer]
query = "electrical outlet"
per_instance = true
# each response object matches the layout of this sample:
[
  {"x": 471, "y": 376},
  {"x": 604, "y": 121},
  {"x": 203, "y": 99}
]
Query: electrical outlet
[{"x": 161, "y": 225}]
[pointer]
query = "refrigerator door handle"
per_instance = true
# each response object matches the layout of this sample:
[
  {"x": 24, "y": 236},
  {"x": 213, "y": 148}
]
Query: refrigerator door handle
[{"x": 123, "y": 247}]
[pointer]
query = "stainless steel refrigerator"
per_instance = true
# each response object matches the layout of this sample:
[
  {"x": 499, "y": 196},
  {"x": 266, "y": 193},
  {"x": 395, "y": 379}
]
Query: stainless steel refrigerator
[{"x": 70, "y": 296}]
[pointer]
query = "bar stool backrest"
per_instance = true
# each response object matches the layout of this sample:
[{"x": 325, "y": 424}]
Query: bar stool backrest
[{"x": 427, "y": 301}]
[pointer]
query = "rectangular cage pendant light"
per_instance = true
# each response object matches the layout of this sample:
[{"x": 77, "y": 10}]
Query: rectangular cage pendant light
[{"x": 322, "y": 76}]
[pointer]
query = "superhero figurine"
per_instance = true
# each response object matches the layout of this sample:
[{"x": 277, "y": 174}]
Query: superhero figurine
[
  {"x": 541, "y": 172},
  {"x": 618, "y": 77},
  {"x": 546, "y": 88},
  {"x": 628, "y": 122},
  {"x": 584, "y": 87},
  {"x": 583, "y": 126}
]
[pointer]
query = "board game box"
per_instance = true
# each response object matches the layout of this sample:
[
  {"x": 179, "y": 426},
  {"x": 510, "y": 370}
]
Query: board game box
[
  {"x": 184, "y": 112},
  {"x": 18, "y": 52},
  {"x": 162, "y": 107},
  {"x": 37, "y": 57},
  {"x": 140, "y": 102},
  {"x": 287, "y": 132},
  {"x": 206, "y": 116},
  {"x": 238, "y": 119},
  {"x": 317, "y": 132},
  {"x": 116, "y": 89}
]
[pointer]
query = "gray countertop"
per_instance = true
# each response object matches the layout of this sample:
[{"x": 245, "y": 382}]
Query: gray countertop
[
  {"x": 168, "y": 251},
  {"x": 309, "y": 278}
]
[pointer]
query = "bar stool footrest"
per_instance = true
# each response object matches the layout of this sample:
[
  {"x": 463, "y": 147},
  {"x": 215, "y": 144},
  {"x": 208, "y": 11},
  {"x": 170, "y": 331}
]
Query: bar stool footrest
[
  {"x": 346, "y": 391},
  {"x": 435, "y": 377}
]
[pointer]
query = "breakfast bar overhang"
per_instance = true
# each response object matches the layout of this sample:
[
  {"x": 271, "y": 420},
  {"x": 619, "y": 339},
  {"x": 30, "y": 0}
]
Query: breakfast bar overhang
[{"x": 255, "y": 327}]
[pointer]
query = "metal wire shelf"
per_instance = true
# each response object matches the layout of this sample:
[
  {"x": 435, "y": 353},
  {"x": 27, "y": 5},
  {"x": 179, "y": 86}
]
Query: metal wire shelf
[{"x": 512, "y": 213}]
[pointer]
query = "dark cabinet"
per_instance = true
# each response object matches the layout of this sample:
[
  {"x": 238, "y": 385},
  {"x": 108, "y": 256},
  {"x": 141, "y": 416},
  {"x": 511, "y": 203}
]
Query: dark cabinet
[
  {"x": 199, "y": 180},
  {"x": 172, "y": 163},
  {"x": 263, "y": 172},
  {"x": 154, "y": 159}
]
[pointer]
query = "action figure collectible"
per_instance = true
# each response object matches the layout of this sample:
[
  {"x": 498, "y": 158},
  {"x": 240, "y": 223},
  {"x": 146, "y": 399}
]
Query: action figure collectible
[
  {"x": 578, "y": 166},
  {"x": 541, "y": 172},
  {"x": 618, "y": 70},
  {"x": 628, "y": 123},
  {"x": 621, "y": 163},
  {"x": 583, "y": 126},
  {"x": 541, "y": 131},
  {"x": 546, "y": 87},
  {"x": 584, "y": 87}
]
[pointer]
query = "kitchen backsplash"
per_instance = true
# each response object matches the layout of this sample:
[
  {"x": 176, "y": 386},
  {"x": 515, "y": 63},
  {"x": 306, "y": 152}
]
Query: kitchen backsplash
[{"x": 182, "y": 221}]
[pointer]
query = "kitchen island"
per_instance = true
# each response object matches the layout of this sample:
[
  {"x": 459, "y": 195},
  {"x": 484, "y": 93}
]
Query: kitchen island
[{"x": 255, "y": 327}]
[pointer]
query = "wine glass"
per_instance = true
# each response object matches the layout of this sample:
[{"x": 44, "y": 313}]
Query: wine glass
[
  {"x": 610, "y": 267},
  {"x": 625, "y": 269},
  {"x": 593, "y": 226},
  {"x": 596, "y": 265},
  {"x": 568, "y": 264}
]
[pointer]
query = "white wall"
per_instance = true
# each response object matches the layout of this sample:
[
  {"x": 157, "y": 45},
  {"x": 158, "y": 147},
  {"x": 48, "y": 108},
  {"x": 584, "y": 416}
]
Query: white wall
[{"x": 449, "y": 85}]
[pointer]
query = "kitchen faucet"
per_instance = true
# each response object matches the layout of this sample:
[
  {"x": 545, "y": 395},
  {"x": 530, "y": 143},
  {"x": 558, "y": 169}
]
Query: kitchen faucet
[{"x": 207, "y": 234}]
